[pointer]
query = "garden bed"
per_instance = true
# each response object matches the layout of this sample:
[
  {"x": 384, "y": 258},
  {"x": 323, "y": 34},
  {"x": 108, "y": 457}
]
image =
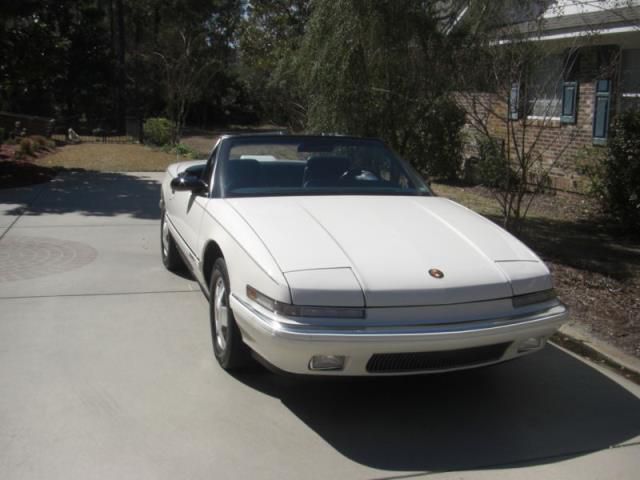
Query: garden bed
[
  {"x": 21, "y": 173},
  {"x": 16, "y": 173}
]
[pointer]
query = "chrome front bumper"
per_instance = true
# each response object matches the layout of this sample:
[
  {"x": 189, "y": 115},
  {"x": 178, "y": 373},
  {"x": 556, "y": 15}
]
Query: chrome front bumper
[{"x": 290, "y": 347}]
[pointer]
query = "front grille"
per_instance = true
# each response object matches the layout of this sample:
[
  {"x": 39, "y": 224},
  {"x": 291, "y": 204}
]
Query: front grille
[{"x": 433, "y": 361}]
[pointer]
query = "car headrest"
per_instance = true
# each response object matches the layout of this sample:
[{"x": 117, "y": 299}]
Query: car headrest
[
  {"x": 245, "y": 173},
  {"x": 324, "y": 170}
]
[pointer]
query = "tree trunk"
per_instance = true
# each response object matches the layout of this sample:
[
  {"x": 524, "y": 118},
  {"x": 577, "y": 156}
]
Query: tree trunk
[{"x": 121, "y": 70}]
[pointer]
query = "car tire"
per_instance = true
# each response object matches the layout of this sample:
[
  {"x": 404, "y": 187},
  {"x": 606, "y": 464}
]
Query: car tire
[
  {"x": 170, "y": 255},
  {"x": 229, "y": 349}
]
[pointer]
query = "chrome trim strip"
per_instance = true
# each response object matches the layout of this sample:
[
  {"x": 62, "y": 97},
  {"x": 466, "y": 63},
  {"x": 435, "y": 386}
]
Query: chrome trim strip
[{"x": 273, "y": 325}]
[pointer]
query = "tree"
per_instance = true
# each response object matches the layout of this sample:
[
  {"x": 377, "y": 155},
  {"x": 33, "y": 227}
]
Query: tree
[
  {"x": 383, "y": 69},
  {"x": 183, "y": 54},
  {"x": 120, "y": 49},
  {"x": 55, "y": 57},
  {"x": 616, "y": 173},
  {"x": 511, "y": 163},
  {"x": 270, "y": 34},
  {"x": 95, "y": 59},
  {"x": 511, "y": 99},
  {"x": 186, "y": 68}
]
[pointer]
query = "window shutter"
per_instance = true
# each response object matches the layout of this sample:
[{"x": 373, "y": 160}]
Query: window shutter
[
  {"x": 569, "y": 102},
  {"x": 601, "y": 112},
  {"x": 514, "y": 102}
]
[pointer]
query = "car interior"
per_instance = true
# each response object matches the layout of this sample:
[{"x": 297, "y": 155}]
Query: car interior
[{"x": 317, "y": 171}]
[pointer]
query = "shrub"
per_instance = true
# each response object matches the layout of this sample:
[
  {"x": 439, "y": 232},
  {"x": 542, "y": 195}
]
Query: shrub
[
  {"x": 1, "y": 134},
  {"x": 186, "y": 151},
  {"x": 435, "y": 146},
  {"x": 41, "y": 143},
  {"x": 158, "y": 131},
  {"x": 589, "y": 163},
  {"x": 616, "y": 176},
  {"x": 493, "y": 169},
  {"x": 26, "y": 147}
]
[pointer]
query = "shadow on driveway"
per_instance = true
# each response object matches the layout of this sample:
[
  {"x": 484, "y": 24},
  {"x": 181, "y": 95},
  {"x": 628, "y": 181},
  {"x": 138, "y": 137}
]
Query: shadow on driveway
[
  {"x": 534, "y": 410},
  {"x": 583, "y": 246},
  {"x": 90, "y": 193}
]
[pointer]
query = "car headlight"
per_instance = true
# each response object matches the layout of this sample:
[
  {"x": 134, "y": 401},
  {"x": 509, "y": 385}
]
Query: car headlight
[
  {"x": 288, "y": 310},
  {"x": 533, "y": 298}
]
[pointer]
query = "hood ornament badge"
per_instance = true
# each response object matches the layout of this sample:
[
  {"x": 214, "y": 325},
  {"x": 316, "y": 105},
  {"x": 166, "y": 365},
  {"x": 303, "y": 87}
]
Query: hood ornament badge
[{"x": 435, "y": 273}]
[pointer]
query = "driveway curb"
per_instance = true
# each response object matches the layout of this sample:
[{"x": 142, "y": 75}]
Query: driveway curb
[{"x": 586, "y": 345}]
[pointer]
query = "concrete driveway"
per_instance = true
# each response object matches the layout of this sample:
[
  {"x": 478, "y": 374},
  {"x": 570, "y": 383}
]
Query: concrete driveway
[{"x": 106, "y": 371}]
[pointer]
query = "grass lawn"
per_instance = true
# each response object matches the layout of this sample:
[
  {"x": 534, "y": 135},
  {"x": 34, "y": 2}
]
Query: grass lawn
[
  {"x": 200, "y": 143},
  {"x": 596, "y": 270},
  {"x": 109, "y": 157}
]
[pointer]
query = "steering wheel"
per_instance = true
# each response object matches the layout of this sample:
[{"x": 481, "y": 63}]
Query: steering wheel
[
  {"x": 350, "y": 174},
  {"x": 358, "y": 174}
]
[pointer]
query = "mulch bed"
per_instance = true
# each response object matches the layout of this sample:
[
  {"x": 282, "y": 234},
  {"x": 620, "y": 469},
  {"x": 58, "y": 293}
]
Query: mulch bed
[
  {"x": 555, "y": 204},
  {"x": 21, "y": 173},
  {"x": 608, "y": 308},
  {"x": 595, "y": 266}
]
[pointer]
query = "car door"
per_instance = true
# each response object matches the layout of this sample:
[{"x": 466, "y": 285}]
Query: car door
[{"x": 188, "y": 208}]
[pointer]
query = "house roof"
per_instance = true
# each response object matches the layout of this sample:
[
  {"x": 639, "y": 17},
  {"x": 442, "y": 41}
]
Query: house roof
[{"x": 598, "y": 21}]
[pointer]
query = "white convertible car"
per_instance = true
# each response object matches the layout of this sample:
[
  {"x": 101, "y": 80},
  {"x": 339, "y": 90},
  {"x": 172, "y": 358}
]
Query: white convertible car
[{"x": 330, "y": 255}]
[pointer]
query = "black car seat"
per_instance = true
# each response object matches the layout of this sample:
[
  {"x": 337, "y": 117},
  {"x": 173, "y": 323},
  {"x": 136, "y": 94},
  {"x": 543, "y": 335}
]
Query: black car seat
[
  {"x": 324, "y": 171},
  {"x": 245, "y": 173}
]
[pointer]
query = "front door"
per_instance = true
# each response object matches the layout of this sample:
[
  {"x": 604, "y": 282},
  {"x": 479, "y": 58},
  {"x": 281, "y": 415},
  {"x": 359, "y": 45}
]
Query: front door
[{"x": 186, "y": 210}]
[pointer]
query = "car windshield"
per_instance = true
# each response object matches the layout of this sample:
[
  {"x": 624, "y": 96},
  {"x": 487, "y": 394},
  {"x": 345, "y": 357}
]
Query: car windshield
[{"x": 315, "y": 166}]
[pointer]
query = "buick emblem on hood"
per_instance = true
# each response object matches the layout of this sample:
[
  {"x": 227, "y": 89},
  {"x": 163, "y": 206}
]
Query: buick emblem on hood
[{"x": 435, "y": 273}]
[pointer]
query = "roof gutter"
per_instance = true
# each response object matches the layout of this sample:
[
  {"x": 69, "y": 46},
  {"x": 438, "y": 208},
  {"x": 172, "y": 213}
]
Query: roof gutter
[{"x": 565, "y": 35}]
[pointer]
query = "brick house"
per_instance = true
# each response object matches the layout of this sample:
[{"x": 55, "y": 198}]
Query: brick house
[{"x": 590, "y": 71}]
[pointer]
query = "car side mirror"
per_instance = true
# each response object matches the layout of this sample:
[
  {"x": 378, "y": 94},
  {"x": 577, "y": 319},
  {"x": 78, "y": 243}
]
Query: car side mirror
[{"x": 191, "y": 183}]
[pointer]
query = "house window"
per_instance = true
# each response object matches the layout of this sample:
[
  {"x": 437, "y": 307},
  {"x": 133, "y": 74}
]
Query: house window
[
  {"x": 546, "y": 88},
  {"x": 630, "y": 80}
]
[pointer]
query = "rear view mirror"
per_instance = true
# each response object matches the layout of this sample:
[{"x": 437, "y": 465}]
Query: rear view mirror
[{"x": 190, "y": 183}]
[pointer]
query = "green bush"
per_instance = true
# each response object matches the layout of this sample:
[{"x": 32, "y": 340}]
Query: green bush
[
  {"x": 186, "y": 151},
  {"x": 435, "y": 148},
  {"x": 41, "y": 143},
  {"x": 26, "y": 147},
  {"x": 616, "y": 177},
  {"x": 493, "y": 169},
  {"x": 1, "y": 135},
  {"x": 589, "y": 163},
  {"x": 159, "y": 131}
]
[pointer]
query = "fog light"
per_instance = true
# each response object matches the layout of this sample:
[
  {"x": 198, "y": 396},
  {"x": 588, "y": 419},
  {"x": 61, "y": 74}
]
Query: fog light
[
  {"x": 326, "y": 362},
  {"x": 530, "y": 344}
]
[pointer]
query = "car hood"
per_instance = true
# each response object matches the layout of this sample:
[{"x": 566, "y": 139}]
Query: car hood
[{"x": 390, "y": 243}]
